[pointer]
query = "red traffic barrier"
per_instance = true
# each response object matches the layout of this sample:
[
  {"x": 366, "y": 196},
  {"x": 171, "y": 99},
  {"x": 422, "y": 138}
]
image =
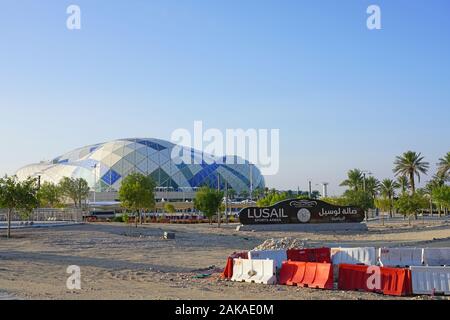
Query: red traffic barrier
[
  {"x": 396, "y": 282},
  {"x": 353, "y": 277},
  {"x": 321, "y": 255},
  {"x": 389, "y": 281},
  {"x": 292, "y": 273},
  {"x": 307, "y": 274},
  {"x": 228, "y": 271}
]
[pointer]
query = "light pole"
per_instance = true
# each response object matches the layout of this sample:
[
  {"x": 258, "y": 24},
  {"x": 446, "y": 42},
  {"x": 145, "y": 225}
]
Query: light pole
[
  {"x": 364, "y": 185},
  {"x": 226, "y": 201},
  {"x": 310, "y": 191},
  {"x": 364, "y": 178},
  {"x": 95, "y": 182}
]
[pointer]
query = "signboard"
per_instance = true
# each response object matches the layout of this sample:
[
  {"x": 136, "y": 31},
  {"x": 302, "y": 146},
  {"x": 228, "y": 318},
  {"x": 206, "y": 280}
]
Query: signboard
[{"x": 301, "y": 211}]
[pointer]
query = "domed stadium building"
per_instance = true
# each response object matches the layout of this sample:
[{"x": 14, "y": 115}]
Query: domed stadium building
[{"x": 105, "y": 165}]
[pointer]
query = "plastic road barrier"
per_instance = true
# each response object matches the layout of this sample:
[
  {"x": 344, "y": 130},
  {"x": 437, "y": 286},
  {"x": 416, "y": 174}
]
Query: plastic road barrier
[
  {"x": 307, "y": 274},
  {"x": 353, "y": 277},
  {"x": 258, "y": 271},
  {"x": 353, "y": 255},
  {"x": 436, "y": 256},
  {"x": 321, "y": 255},
  {"x": 277, "y": 255},
  {"x": 228, "y": 271},
  {"x": 430, "y": 280},
  {"x": 390, "y": 281},
  {"x": 400, "y": 257},
  {"x": 396, "y": 281}
]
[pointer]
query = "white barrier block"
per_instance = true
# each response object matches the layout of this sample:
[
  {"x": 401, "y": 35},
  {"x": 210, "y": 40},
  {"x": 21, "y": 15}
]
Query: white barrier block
[
  {"x": 277, "y": 255},
  {"x": 362, "y": 255},
  {"x": 258, "y": 271},
  {"x": 436, "y": 256},
  {"x": 400, "y": 257},
  {"x": 430, "y": 280},
  {"x": 238, "y": 270}
]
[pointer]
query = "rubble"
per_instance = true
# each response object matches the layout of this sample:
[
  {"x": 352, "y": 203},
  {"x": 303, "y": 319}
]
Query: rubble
[{"x": 281, "y": 243}]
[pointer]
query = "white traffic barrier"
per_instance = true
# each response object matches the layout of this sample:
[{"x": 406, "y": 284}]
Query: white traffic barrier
[
  {"x": 399, "y": 257},
  {"x": 362, "y": 255},
  {"x": 430, "y": 280},
  {"x": 277, "y": 255},
  {"x": 258, "y": 271},
  {"x": 436, "y": 256}
]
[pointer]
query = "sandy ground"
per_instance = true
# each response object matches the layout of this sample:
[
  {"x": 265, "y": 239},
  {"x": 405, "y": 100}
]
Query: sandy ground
[{"x": 120, "y": 262}]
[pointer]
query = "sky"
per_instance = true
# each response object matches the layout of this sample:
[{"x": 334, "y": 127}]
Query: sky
[{"x": 343, "y": 96}]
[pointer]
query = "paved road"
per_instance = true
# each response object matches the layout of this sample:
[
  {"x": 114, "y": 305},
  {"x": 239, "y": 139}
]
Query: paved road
[{"x": 401, "y": 219}]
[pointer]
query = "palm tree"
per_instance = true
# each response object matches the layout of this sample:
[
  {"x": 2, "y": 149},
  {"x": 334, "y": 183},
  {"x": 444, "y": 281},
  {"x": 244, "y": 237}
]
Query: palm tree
[
  {"x": 354, "y": 179},
  {"x": 403, "y": 183},
  {"x": 258, "y": 193},
  {"x": 411, "y": 164},
  {"x": 387, "y": 189},
  {"x": 444, "y": 166},
  {"x": 437, "y": 181},
  {"x": 428, "y": 191},
  {"x": 244, "y": 194},
  {"x": 372, "y": 186},
  {"x": 231, "y": 193}
]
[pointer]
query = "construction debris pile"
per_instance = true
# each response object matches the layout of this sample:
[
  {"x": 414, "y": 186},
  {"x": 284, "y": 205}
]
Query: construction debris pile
[{"x": 281, "y": 244}]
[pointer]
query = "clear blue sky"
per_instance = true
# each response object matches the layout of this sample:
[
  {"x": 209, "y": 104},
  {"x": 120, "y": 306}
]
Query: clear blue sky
[{"x": 343, "y": 96}]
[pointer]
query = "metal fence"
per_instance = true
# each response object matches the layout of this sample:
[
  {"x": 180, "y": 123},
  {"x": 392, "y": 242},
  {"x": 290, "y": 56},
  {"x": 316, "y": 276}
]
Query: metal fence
[{"x": 46, "y": 214}]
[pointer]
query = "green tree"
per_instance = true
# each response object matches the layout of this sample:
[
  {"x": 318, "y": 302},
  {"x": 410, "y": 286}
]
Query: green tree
[
  {"x": 411, "y": 164},
  {"x": 372, "y": 186},
  {"x": 403, "y": 184},
  {"x": 19, "y": 196},
  {"x": 409, "y": 205},
  {"x": 231, "y": 193},
  {"x": 137, "y": 193},
  {"x": 49, "y": 195},
  {"x": 359, "y": 198},
  {"x": 338, "y": 201},
  {"x": 384, "y": 204},
  {"x": 272, "y": 198},
  {"x": 441, "y": 196},
  {"x": 354, "y": 180},
  {"x": 444, "y": 166},
  {"x": 170, "y": 208},
  {"x": 303, "y": 196},
  {"x": 244, "y": 194},
  {"x": 208, "y": 201},
  {"x": 387, "y": 190},
  {"x": 76, "y": 189},
  {"x": 315, "y": 194},
  {"x": 258, "y": 193}
]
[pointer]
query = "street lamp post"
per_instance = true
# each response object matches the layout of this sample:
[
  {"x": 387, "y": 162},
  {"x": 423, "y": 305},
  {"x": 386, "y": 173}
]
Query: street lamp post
[
  {"x": 226, "y": 201},
  {"x": 364, "y": 178},
  {"x": 364, "y": 183},
  {"x": 95, "y": 183},
  {"x": 310, "y": 191}
]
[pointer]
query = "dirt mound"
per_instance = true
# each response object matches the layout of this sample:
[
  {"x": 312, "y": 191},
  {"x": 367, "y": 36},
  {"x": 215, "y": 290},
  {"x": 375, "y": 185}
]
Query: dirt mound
[{"x": 281, "y": 243}]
